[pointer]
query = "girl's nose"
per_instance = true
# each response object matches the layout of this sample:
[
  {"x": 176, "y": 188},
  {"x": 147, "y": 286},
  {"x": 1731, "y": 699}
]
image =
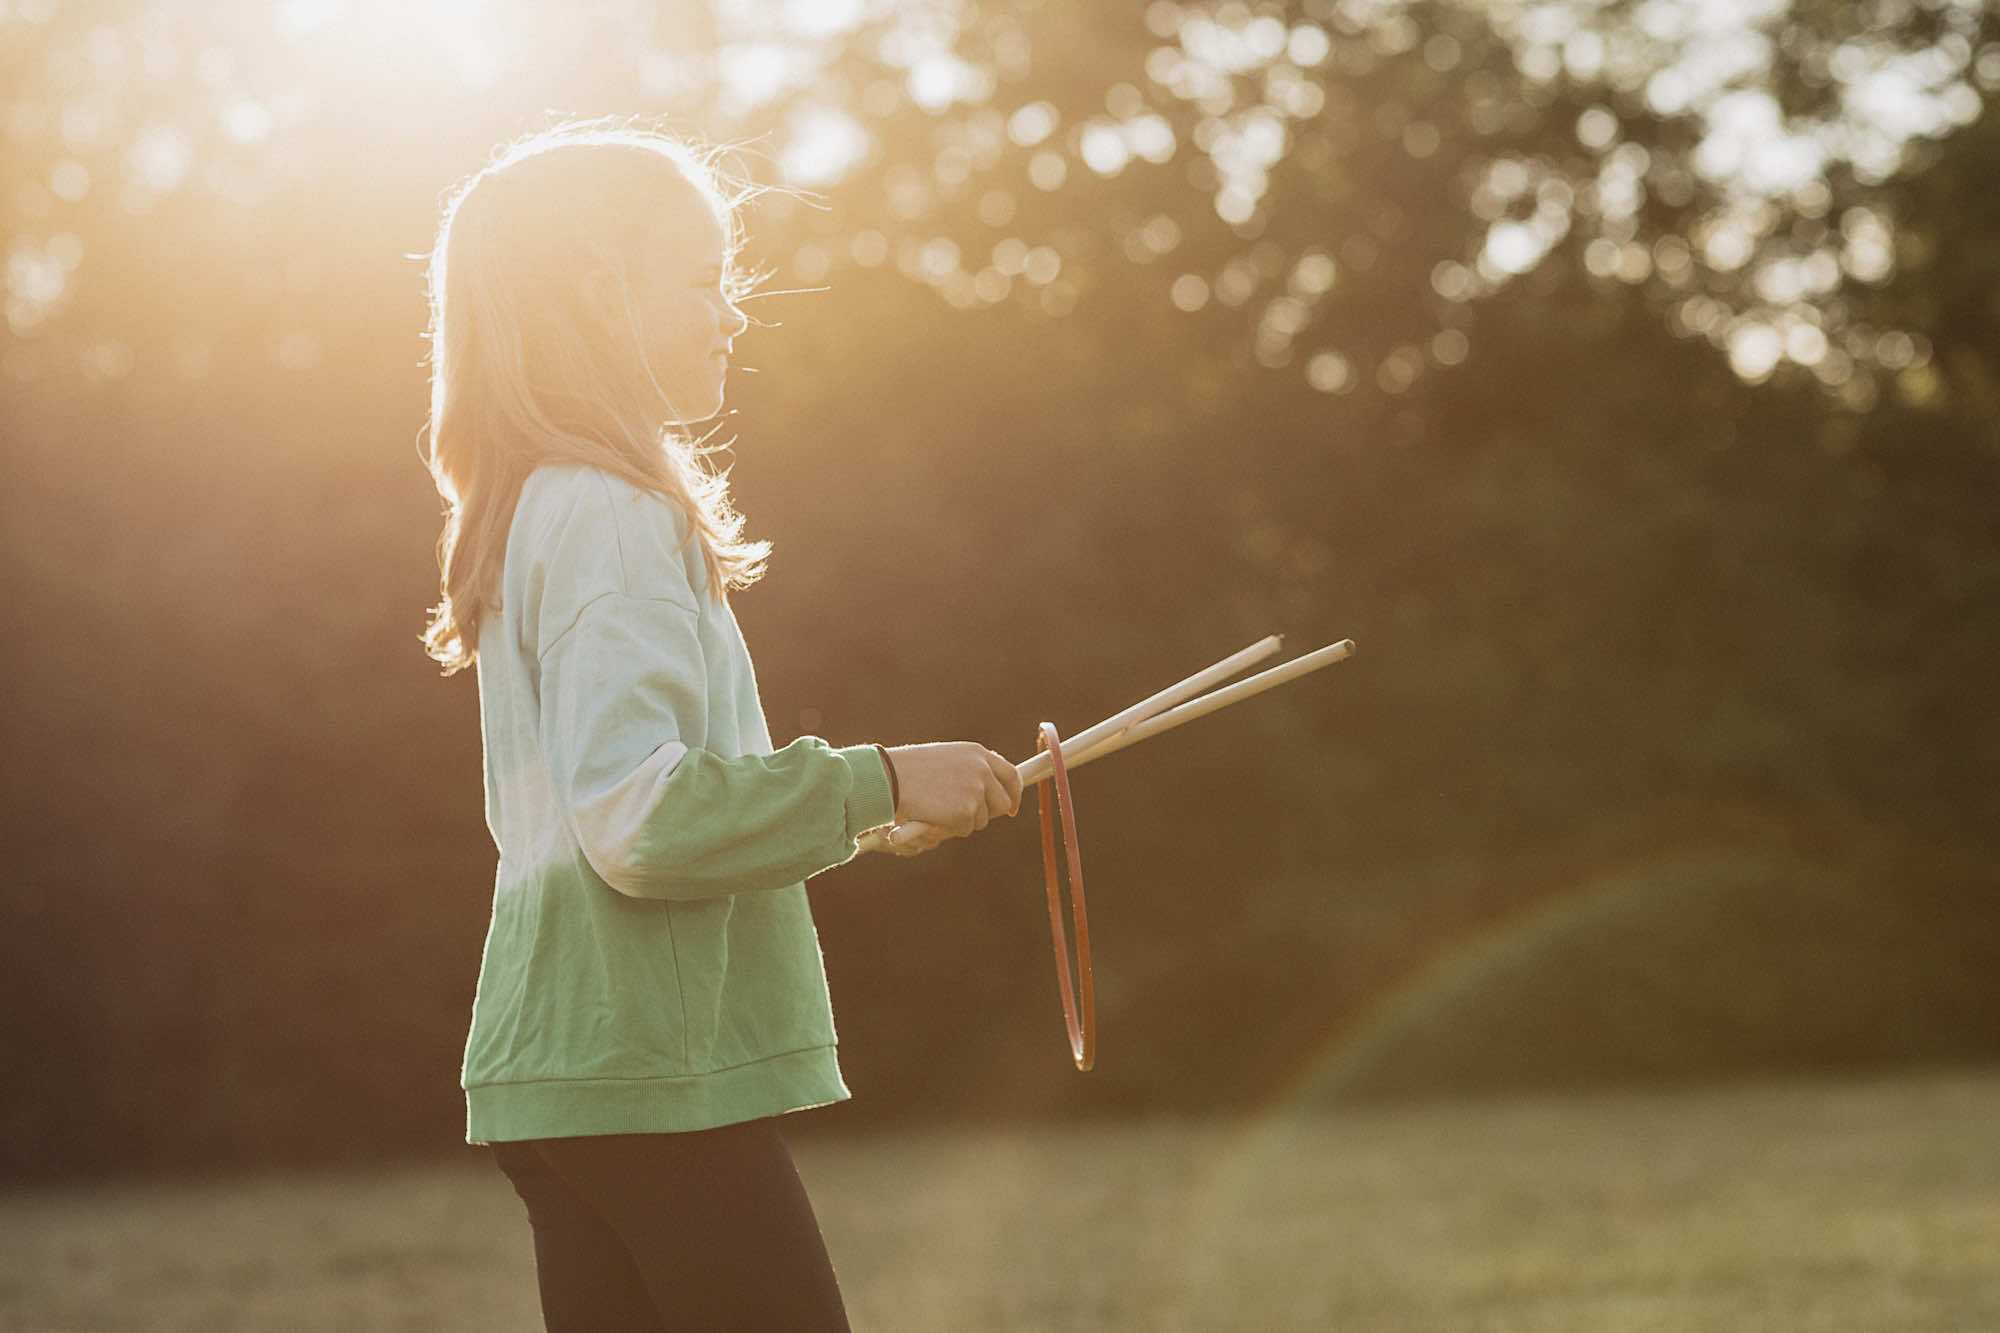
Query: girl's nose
[{"x": 733, "y": 319}]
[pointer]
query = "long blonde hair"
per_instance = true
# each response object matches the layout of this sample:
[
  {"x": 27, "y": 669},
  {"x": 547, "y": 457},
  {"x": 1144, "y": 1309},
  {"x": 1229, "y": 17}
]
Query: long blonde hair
[{"x": 522, "y": 374}]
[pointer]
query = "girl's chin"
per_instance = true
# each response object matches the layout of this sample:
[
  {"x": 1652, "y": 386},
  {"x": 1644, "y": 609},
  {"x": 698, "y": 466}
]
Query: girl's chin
[{"x": 703, "y": 403}]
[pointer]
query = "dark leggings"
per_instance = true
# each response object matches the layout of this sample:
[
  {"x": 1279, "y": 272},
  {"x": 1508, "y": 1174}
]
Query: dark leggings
[{"x": 659, "y": 1233}]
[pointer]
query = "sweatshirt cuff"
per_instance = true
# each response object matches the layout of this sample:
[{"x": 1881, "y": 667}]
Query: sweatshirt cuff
[{"x": 868, "y": 803}]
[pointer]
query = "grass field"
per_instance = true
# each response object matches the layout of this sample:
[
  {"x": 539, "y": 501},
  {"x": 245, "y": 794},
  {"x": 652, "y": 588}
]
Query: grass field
[{"x": 1852, "y": 1207}]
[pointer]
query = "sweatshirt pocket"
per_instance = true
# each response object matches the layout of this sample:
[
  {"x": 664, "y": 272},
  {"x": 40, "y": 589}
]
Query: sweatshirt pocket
[
  {"x": 772, "y": 1000},
  {"x": 700, "y": 940}
]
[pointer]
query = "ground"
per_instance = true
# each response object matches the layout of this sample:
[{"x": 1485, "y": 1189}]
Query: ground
[{"x": 1824, "y": 1207}]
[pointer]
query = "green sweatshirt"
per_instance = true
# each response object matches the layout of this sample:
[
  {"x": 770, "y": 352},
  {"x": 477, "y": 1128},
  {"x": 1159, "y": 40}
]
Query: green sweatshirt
[{"x": 651, "y": 964}]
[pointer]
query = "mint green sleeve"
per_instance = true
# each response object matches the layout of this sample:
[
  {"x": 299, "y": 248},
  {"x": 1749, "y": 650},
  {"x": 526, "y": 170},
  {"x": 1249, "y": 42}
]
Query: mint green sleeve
[
  {"x": 623, "y": 693},
  {"x": 610, "y": 620}
]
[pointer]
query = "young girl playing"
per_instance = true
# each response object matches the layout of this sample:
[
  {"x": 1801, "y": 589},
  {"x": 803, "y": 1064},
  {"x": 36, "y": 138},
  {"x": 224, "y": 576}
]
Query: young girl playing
[{"x": 651, "y": 996}]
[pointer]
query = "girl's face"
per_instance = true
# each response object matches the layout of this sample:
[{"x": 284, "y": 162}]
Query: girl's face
[{"x": 685, "y": 315}]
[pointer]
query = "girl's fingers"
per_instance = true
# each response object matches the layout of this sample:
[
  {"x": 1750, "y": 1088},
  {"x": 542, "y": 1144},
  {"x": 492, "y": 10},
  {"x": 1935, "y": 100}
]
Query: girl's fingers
[
  {"x": 899, "y": 839},
  {"x": 998, "y": 802},
  {"x": 1009, "y": 777},
  {"x": 915, "y": 836}
]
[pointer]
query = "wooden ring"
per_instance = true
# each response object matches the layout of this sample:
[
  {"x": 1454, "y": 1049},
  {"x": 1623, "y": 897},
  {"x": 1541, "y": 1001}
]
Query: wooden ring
[{"x": 1082, "y": 1024}]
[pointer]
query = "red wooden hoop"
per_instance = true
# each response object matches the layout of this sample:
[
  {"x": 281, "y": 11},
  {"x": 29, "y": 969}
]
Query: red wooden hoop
[{"x": 1083, "y": 1026}]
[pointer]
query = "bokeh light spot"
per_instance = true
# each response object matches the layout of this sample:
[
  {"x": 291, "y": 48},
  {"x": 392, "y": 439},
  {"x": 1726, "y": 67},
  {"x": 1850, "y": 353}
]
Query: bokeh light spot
[
  {"x": 940, "y": 257},
  {"x": 69, "y": 181},
  {"x": 1032, "y": 123},
  {"x": 1399, "y": 370},
  {"x": 1754, "y": 350},
  {"x": 1329, "y": 372},
  {"x": 1452, "y": 280},
  {"x": 824, "y": 142},
  {"x": 822, "y": 18},
  {"x": 1868, "y": 253},
  {"x": 1511, "y": 247},
  {"x": 246, "y": 121},
  {"x": 991, "y": 285},
  {"x": 1103, "y": 148},
  {"x": 811, "y": 262},
  {"x": 1596, "y": 129},
  {"x": 1285, "y": 315},
  {"x": 1314, "y": 273},
  {"x": 1600, "y": 257},
  {"x": 1011, "y": 256},
  {"x": 869, "y": 248},
  {"x": 1150, "y": 137},
  {"x": 1805, "y": 343},
  {"x": 296, "y": 18},
  {"x": 1041, "y": 265},
  {"x": 1236, "y": 283},
  {"x": 159, "y": 157},
  {"x": 1308, "y": 45}
]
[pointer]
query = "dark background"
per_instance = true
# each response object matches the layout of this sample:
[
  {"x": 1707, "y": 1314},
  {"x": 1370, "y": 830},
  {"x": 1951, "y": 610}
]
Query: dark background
[{"x": 1665, "y": 754}]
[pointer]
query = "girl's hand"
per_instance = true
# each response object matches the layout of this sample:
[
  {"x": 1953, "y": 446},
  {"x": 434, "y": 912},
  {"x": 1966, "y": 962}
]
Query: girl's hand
[{"x": 953, "y": 787}]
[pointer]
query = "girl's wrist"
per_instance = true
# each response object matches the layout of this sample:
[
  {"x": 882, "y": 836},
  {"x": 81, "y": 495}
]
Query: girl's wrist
[{"x": 895, "y": 788}]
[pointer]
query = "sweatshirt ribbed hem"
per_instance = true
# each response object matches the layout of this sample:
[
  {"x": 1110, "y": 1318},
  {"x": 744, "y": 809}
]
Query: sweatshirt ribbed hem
[
  {"x": 869, "y": 804},
  {"x": 566, "y": 1108}
]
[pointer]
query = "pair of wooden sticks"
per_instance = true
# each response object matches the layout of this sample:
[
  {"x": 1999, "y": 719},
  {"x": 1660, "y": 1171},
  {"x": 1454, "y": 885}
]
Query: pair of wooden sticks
[{"x": 1177, "y": 704}]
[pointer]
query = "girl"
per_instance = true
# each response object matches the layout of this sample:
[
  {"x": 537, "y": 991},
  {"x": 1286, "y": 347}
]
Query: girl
[{"x": 651, "y": 995}]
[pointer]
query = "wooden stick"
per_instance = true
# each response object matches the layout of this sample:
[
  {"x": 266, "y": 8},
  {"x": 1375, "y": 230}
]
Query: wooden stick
[
  {"x": 1206, "y": 704},
  {"x": 1038, "y": 768},
  {"x": 1120, "y": 730}
]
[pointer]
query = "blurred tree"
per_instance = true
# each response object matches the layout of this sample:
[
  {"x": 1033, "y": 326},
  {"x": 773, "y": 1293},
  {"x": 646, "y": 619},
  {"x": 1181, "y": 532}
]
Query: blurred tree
[{"x": 1350, "y": 176}]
